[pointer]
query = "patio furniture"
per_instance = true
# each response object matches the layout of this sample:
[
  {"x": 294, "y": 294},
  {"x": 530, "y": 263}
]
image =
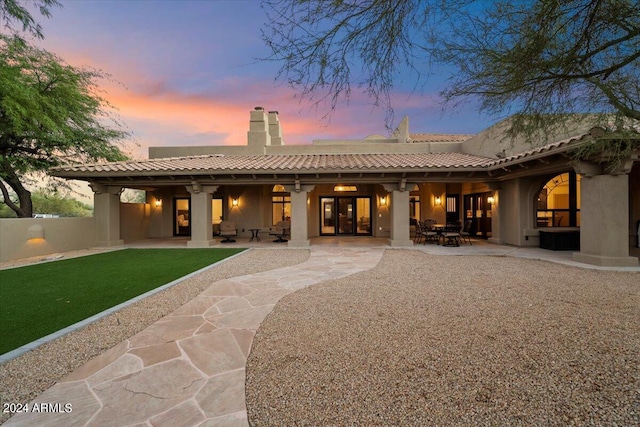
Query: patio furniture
[
  {"x": 227, "y": 231},
  {"x": 280, "y": 231},
  {"x": 451, "y": 235},
  {"x": 419, "y": 228},
  {"x": 465, "y": 233},
  {"x": 429, "y": 232},
  {"x": 254, "y": 234},
  {"x": 560, "y": 239}
]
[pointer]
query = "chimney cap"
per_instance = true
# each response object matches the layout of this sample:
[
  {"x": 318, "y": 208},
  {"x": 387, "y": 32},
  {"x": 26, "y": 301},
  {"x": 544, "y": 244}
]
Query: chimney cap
[
  {"x": 274, "y": 112},
  {"x": 259, "y": 108}
]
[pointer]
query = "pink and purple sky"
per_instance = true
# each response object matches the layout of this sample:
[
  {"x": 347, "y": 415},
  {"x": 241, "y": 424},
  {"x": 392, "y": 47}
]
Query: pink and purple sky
[{"x": 187, "y": 75}]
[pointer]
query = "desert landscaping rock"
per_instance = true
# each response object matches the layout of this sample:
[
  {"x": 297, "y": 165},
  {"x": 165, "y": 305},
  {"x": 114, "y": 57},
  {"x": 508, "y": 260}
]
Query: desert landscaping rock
[{"x": 436, "y": 340}]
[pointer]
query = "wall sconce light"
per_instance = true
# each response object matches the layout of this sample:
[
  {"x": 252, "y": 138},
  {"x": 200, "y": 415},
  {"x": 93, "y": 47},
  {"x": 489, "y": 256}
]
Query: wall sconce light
[
  {"x": 490, "y": 200},
  {"x": 158, "y": 203},
  {"x": 234, "y": 202},
  {"x": 438, "y": 201},
  {"x": 383, "y": 201},
  {"x": 35, "y": 232}
]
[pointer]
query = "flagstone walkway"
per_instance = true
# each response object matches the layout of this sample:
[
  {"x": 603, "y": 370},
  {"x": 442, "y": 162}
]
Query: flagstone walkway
[{"x": 188, "y": 368}]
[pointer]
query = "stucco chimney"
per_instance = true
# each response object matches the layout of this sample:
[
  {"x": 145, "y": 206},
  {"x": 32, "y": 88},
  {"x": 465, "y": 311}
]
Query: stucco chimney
[
  {"x": 275, "y": 130},
  {"x": 258, "y": 135}
]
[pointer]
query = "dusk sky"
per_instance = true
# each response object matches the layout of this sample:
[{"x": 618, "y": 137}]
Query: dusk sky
[{"x": 187, "y": 75}]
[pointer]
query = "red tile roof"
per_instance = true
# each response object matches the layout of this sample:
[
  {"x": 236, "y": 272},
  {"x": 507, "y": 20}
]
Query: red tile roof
[{"x": 297, "y": 162}]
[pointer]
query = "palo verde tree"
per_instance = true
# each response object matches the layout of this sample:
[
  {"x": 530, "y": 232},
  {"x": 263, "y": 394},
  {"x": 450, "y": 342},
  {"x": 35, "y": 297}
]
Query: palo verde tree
[
  {"x": 12, "y": 11},
  {"x": 536, "y": 59},
  {"x": 50, "y": 113}
]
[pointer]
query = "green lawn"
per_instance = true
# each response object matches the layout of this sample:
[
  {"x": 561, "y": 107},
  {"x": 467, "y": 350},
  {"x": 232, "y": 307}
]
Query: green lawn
[{"x": 40, "y": 299}]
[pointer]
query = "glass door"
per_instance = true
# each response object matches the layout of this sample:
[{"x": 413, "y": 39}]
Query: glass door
[
  {"x": 182, "y": 217},
  {"x": 363, "y": 216},
  {"x": 478, "y": 210},
  {"x": 327, "y": 216},
  {"x": 345, "y": 216}
]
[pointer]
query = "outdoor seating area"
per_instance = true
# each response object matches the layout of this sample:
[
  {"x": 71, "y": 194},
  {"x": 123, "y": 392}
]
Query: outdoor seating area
[
  {"x": 280, "y": 231},
  {"x": 228, "y": 231},
  {"x": 452, "y": 234}
]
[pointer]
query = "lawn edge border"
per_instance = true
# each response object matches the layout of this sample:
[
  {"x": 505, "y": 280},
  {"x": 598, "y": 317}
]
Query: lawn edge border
[{"x": 81, "y": 324}]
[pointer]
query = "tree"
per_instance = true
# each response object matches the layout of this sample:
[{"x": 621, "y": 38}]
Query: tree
[
  {"x": 50, "y": 114},
  {"x": 15, "y": 10},
  {"x": 51, "y": 202},
  {"x": 537, "y": 58}
]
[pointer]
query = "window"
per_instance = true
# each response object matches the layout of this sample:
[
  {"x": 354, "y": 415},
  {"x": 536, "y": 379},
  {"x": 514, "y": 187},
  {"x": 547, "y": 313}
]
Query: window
[
  {"x": 414, "y": 208},
  {"x": 340, "y": 188},
  {"x": 452, "y": 208},
  {"x": 558, "y": 202},
  {"x": 216, "y": 211},
  {"x": 280, "y": 204}
]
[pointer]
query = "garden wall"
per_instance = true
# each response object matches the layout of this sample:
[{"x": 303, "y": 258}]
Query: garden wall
[
  {"x": 134, "y": 221},
  {"x": 29, "y": 237}
]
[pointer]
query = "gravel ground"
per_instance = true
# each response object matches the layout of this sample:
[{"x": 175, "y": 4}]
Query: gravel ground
[
  {"x": 443, "y": 340},
  {"x": 25, "y": 377}
]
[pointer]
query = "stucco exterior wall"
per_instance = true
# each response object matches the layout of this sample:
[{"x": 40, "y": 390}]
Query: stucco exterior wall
[
  {"x": 634, "y": 205},
  {"x": 515, "y": 206},
  {"x": 319, "y": 147},
  {"x": 58, "y": 235},
  {"x": 134, "y": 221},
  {"x": 493, "y": 141}
]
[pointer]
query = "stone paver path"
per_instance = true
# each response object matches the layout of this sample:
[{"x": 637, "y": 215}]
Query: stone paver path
[{"x": 188, "y": 368}]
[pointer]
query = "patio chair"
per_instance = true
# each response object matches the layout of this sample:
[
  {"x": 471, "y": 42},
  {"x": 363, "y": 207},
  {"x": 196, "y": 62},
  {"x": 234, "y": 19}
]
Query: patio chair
[
  {"x": 465, "y": 233},
  {"x": 451, "y": 235},
  {"x": 227, "y": 231},
  {"x": 429, "y": 233},
  {"x": 419, "y": 227},
  {"x": 280, "y": 231}
]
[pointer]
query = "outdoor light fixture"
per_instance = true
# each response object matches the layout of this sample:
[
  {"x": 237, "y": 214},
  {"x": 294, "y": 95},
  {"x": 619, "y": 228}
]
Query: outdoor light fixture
[
  {"x": 35, "y": 232},
  {"x": 383, "y": 201},
  {"x": 234, "y": 202},
  {"x": 158, "y": 203},
  {"x": 490, "y": 200},
  {"x": 438, "y": 201}
]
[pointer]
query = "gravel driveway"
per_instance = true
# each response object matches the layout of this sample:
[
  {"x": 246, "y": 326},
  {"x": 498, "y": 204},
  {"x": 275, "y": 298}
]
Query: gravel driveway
[{"x": 445, "y": 340}]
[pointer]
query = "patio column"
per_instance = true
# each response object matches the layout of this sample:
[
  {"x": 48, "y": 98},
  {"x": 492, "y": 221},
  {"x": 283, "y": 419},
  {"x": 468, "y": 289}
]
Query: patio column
[
  {"x": 106, "y": 211},
  {"x": 299, "y": 214},
  {"x": 201, "y": 224},
  {"x": 399, "y": 215},
  {"x": 604, "y": 216}
]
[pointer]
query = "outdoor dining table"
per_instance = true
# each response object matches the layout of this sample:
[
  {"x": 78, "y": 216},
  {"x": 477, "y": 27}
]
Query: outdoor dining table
[{"x": 254, "y": 234}]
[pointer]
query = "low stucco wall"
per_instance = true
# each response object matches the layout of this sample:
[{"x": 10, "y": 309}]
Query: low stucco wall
[{"x": 53, "y": 235}]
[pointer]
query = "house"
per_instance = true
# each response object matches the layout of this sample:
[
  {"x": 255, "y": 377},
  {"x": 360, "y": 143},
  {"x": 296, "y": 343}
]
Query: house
[{"x": 509, "y": 191}]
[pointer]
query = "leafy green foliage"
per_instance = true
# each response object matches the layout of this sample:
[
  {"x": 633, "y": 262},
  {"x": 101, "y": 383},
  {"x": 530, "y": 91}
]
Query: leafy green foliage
[
  {"x": 46, "y": 202},
  {"x": 50, "y": 114},
  {"x": 539, "y": 59},
  {"x": 546, "y": 59},
  {"x": 15, "y": 10}
]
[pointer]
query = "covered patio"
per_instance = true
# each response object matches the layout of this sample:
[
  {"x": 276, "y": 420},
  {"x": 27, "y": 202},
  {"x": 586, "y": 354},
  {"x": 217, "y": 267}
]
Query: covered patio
[{"x": 373, "y": 188}]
